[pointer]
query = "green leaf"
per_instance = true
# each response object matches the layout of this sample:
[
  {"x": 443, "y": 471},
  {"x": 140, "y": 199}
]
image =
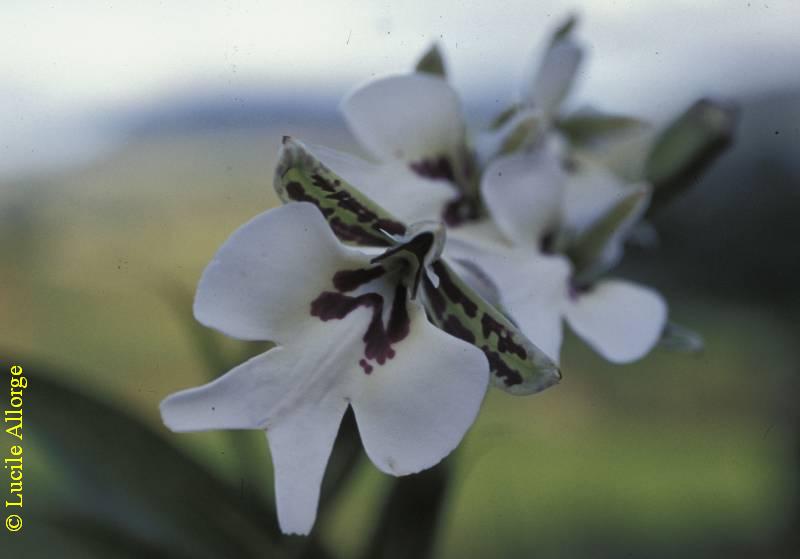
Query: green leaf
[
  {"x": 353, "y": 217},
  {"x": 595, "y": 249},
  {"x": 516, "y": 364},
  {"x": 679, "y": 338},
  {"x": 584, "y": 129},
  {"x": 123, "y": 474},
  {"x": 688, "y": 147},
  {"x": 432, "y": 62}
]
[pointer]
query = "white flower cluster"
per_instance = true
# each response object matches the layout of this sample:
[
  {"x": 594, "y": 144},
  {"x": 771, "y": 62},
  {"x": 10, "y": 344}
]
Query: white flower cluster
[{"x": 404, "y": 286}]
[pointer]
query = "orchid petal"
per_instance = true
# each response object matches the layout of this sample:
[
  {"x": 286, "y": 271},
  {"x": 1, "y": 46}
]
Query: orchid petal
[
  {"x": 622, "y": 321},
  {"x": 415, "y": 409},
  {"x": 354, "y": 218},
  {"x": 262, "y": 280},
  {"x": 301, "y": 445},
  {"x": 393, "y": 185},
  {"x": 531, "y": 288},
  {"x": 523, "y": 193},
  {"x": 298, "y": 394},
  {"x": 413, "y": 118},
  {"x": 590, "y": 191},
  {"x": 517, "y": 365},
  {"x": 556, "y": 72}
]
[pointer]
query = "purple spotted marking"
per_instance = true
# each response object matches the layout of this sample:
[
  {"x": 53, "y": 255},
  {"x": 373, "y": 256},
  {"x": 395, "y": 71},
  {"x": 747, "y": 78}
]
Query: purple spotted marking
[
  {"x": 365, "y": 365},
  {"x": 297, "y": 193},
  {"x": 454, "y": 327},
  {"x": 355, "y": 233},
  {"x": 547, "y": 243},
  {"x": 497, "y": 365},
  {"x": 378, "y": 339},
  {"x": 452, "y": 291},
  {"x": 461, "y": 210},
  {"x": 437, "y": 300},
  {"x": 434, "y": 168},
  {"x": 351, "y": 232},
  {"x": 348, "y": 280},
  {"x": 505, "y": 340}
]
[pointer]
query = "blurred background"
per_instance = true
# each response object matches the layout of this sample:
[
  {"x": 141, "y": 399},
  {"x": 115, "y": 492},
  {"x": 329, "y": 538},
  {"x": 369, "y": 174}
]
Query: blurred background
[{"x": 135, "y": 137}]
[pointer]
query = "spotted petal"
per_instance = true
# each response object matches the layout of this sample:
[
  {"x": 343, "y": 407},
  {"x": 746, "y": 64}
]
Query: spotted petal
[
  {"x": 414, "y": 410},
  {"x": 341, "y": 340},
  {"x": 261, "y": 281},
  {"x": 517, "y": 365},
  {"x": 415, "y": 118},
  {"x": 391, "y": 184},
  {"x": 531, "y": 287},
  {"x": 301, "y": 177},
  {"x": 622, "y": 321}
]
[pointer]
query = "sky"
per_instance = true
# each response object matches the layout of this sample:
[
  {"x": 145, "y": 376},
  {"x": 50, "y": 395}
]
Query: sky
[{"x": 66, "y": 64}]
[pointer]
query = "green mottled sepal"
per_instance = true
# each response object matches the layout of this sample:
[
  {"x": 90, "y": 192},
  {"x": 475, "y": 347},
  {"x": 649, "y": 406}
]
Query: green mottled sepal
[
  {"x": 353, "y": 217},
  {"x": 517, "y": 366}
]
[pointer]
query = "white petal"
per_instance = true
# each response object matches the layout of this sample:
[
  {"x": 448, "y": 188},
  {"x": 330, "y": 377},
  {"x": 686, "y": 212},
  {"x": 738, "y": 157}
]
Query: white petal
[
  {"x": 243, "y": 398},
  {"x": 407, "y": 117},
  {"x": 260, "y": 391},
  {"x": 622, "y": 321},
  {"x": 590, "y": 191},
  {"x": 393, "y": 185},
  {"x": 554, "y": 76},
  {"x": 523, "y": 193},
  {"x": 300, "y": 444},
  {"x": 261, "y": 282},
  {"x": 415, "y": 409},
  {"x": 298, "y": 394}
]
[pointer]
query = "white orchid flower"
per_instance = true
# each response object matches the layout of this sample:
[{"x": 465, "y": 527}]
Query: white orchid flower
[
  {"x": 416, "y": 123},
  {"x": 535, "y": 208},
  {"x": 413, "y": 126},
  {"x": 348, "y": 294}
]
